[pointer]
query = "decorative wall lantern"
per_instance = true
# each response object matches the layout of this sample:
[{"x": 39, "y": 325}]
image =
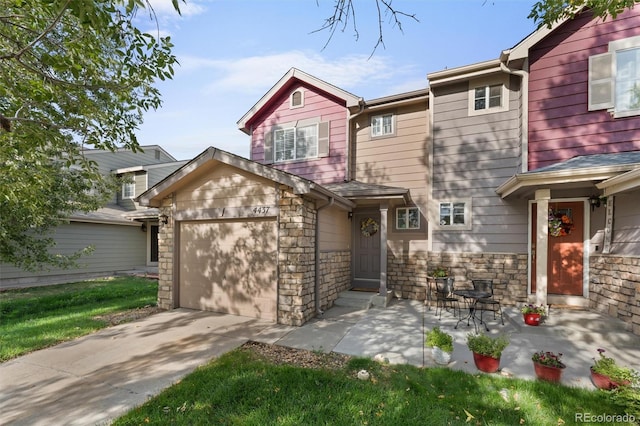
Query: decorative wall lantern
[
  {"x": 163, "y": 218},
  {"x": 594, "y": 201}
]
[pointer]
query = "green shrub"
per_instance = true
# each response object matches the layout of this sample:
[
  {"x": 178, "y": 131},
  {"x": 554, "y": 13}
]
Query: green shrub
[{"x": 486, "y": 345}]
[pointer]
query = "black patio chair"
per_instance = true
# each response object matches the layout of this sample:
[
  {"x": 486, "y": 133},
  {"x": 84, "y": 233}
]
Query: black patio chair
[
  {"x": 445, "y": 297},
  {"x": 487, "y": 303}
]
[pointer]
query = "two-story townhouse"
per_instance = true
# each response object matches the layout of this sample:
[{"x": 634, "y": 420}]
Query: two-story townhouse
[
  {"x": 549, "y": 136},
  {"x": 518, "y": 169},
  {"x": 333, "y": 195},
  {"x": 123, "y": 234}
]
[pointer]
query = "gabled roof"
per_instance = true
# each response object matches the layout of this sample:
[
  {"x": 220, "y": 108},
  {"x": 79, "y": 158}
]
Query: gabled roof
[
  {"x": 289, "y": 78},
  {"x": 583, "y": 168},
  {"x": 143, "y": 147},
  {"x": 153, "y": 196}
]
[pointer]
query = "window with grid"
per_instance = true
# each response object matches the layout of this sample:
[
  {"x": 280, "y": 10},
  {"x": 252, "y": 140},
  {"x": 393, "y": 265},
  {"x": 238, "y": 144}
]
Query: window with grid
[
  {"x": 407, "y": 218},
  {"x": 296, "y": 143},
  {"x": 487, "y": 97},
  {"x": 454, "y": 214},
  {"x": 382, "y": 125},
  {"x": 129, "y": 189}
]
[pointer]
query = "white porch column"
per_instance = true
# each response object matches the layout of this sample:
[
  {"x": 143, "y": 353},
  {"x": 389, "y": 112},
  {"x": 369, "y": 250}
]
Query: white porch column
[
  {"x": 542, "y": 244},
  {"x": 383, "y": 249}
]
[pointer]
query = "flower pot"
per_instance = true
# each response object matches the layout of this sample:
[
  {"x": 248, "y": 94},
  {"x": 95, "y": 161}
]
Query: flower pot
[
  {"x": 532, "y": 319},
  {"x": 486, "y": 363},
  {"x": 547, "y": 372},
  {"x": 440, "y": 357},
  {"x": 602, "y": 381}
]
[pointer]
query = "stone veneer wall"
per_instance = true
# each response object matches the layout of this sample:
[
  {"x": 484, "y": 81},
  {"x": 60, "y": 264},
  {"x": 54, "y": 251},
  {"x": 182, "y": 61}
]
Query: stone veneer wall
[
  {"x": 408, "y": 276},
  {"x": 335, "y": 276},
  {"x": 296, "y": 258},
  {"x": 165, "y": 258},
  {"x": 614, "y": 288}
]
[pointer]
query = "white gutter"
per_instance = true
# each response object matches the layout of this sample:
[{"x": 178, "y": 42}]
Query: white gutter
[{"x": 524, "y": 89}]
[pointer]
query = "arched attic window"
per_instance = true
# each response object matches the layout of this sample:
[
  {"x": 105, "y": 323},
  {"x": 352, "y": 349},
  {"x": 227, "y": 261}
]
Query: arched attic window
[{"x": 297, "y": 99}]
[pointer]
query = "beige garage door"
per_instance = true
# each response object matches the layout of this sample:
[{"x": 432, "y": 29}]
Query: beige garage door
[{"x": 229, "y": 266}]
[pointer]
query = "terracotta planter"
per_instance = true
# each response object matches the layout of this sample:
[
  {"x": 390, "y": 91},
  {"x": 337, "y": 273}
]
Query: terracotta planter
[
  {"x": 603, "y": 382},
  {"x": 532, "y": 319},
  {"x": 486, "y": 363},
  {"x": 548, "y": 373}
]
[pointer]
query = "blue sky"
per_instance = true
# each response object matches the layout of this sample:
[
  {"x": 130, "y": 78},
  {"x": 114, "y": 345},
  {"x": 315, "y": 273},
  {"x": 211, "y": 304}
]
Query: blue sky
[{"x": 233, "y": 51}]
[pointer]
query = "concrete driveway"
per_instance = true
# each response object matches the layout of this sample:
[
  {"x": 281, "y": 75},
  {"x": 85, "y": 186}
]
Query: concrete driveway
[{"x": 97, "y": 378}]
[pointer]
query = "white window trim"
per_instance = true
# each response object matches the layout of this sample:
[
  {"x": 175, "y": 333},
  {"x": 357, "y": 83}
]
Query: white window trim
[
  {"x": 398, "y": 209},
  {"x": 468, "y": 209},
  {"x": 486, "y": 82},
  {"x": 291, "y": 105},
  {"x": 295, "y": 128},
  {"x": 614, "y": 47},
  {"x": 132, "y": 186},
  {"x": 393, "y": 125}
]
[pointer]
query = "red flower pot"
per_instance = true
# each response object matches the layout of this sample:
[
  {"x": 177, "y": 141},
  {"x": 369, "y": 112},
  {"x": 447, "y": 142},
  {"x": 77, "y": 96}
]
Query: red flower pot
[
  {"x": 603, "y": 382},
  {"x": 547, "y": 372},
  {"x": 486, "y": 363},
  {"x": 532, "y": 319}
]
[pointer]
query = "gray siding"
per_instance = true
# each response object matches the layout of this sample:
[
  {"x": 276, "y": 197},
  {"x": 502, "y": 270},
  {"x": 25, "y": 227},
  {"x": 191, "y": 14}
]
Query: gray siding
[
  {"x": 108, "y": 161},
  {"x": 156, "y": 174},
  {"x": 116, "y": 248},
  {"x": 626, "y": 224},
  {"x": 472, "y": 156}
]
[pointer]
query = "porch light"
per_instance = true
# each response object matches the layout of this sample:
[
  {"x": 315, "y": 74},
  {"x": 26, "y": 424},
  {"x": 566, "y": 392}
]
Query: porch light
[
  {"x": 164, "y": 219},
  {"x": 594, "y": 201}
]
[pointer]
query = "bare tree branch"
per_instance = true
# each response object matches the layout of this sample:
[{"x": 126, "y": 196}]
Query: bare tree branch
[{"x": 344, "y": 12}]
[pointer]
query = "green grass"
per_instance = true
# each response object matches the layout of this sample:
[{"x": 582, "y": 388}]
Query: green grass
[
  {"x": 38, "y": 317},
  {"x": 240, "y": 388}
]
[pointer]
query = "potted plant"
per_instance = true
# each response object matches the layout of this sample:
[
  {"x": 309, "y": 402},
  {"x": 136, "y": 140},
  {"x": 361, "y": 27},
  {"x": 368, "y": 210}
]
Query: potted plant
[
  {"x": 607, "y": 374},
  {"x": 440, "y": 272},
  {"x": 487, "y": 350},
  {"x": 548, "y": 366},
  {"x": 441, "y": 345},
  {"x": 532, "y": 314}
]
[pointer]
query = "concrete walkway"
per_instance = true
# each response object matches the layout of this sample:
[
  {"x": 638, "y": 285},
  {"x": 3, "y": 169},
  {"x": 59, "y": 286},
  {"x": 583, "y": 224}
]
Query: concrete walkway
[{"x": 97, "y": 378}]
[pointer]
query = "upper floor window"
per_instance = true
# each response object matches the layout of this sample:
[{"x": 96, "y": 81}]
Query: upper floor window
[
  {"x": 487, "y": 96},
  {"x": 297, "y": 99},
  {"x": 407, "y": 218},
  {"x": 129, "y": 189},
  {"x": 296, "y": 140},
  {"x": 382, "y": 125},
  {"x": 296, "y": 143},
  {"x": 614, "y": 78},
  {"x": 454, "y": 214}
]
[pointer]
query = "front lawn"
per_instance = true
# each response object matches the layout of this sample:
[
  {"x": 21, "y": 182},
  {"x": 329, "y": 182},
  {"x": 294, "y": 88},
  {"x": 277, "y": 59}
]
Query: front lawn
[
  {"x": 244, "y": 388},
  {"x": 38, "y": 317}
]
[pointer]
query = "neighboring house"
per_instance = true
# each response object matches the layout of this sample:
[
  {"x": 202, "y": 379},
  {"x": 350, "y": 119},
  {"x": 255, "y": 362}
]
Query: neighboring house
[
  {"x": 124, "y": 234},
  {"x": 345, "y": 193}
]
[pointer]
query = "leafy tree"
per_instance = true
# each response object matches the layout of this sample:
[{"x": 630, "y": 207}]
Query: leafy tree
[
  {"x": 548, "y": 12},
  {"x": 75, "y": 74}
]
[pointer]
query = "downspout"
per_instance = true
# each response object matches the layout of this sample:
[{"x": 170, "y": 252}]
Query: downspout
[
  {"x": 316, "y": 289},
  {"x": 524, "y": 89},
  {"x": 347, "y": 169}
]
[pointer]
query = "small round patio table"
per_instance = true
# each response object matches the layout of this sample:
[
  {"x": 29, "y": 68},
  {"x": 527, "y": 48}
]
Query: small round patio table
[{"x": 471, "y": 299}]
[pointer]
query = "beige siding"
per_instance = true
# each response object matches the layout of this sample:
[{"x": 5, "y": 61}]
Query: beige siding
[
  {"x": 401, "y": 161},
  {"x": 335, "y": 230},
  {"x": 472, "y": 156},
  {"x": 226, "y": 186},
  {"x": 116, "y": 248}
]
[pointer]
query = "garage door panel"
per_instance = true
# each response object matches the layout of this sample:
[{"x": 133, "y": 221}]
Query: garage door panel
[{"x": 229, "y": 266}]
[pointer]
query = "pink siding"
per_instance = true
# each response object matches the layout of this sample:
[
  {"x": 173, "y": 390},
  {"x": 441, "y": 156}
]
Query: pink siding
[
  {"x": 560, "y": 125},
  {"x": 317, "y": 104}
]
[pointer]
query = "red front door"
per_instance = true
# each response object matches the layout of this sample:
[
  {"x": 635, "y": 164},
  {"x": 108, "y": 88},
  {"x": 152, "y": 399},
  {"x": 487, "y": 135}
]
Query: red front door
[{"x": 565, "y": 248}]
